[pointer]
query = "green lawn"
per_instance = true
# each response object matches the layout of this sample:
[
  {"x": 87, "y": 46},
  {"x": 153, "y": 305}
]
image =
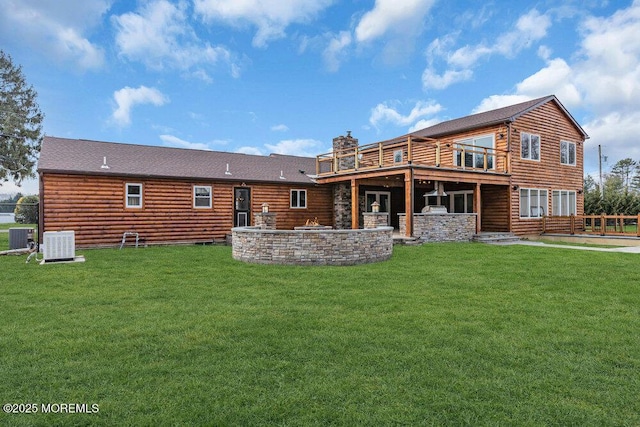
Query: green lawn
[{"x": 442, "y": 334}]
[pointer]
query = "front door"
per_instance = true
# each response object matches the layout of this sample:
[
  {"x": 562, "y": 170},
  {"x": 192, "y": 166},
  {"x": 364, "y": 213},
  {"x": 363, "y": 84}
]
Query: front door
[
  {"x": 242, "y": 207},
  {"x": 383, "y": 198}
]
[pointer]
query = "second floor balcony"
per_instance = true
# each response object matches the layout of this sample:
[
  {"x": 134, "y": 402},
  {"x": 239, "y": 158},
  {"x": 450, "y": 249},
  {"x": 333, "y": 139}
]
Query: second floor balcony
[{"x": 414, "y": 151}]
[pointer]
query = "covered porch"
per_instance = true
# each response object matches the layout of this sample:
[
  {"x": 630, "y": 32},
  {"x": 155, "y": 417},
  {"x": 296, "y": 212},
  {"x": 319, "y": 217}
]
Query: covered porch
[{"x": 410, "y": 188}]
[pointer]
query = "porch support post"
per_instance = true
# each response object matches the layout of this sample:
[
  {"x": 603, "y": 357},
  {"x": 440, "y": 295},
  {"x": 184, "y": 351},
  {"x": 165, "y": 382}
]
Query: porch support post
[
  {"x": 355, "y": 208},
  {"x": 408, "y": 201},
  {"x": 477, "y": 205}
]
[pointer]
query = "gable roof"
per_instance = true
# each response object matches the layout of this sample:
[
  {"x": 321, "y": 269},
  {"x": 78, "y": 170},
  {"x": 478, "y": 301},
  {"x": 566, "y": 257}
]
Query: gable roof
[
  {"x": 501, "y": 115},
  {"x": 79, "y": 156}
]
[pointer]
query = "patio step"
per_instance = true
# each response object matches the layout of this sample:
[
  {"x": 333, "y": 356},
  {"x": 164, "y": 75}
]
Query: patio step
[
  {"x": 497, "y": 237},
  {"x": 402, "y": 240}
]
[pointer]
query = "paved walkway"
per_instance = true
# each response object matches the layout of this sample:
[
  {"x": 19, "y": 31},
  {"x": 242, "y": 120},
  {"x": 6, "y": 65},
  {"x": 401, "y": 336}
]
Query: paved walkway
[{"x": 625, "y": 249}]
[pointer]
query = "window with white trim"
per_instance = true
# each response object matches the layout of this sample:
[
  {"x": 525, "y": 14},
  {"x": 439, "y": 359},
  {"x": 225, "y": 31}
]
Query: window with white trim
[
  {"x": 563, "y": 202},
  {"x": 533, "y": 203},
  {"x": 474, "y": 152},
  {"x": 397, "y": 156},
  {"x": 201, "y": 196},
  {"x": 529, "y": 146},
  {"x": 133, "y": 197},
  {"x": 568, "y": 153},
  {"x": 298, "y": 199}
]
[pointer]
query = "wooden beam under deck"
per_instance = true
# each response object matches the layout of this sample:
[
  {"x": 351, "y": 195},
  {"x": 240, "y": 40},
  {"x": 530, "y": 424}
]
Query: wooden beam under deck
[
  {"x": 421, "y": 172},
  {"x": 408, "y": 201},
  {"x": 355, "y": 205},
  {"x": 477, "y": 207}
]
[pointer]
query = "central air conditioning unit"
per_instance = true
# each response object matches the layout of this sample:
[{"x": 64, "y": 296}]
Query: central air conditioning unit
[{"x": 58, "y": 246}]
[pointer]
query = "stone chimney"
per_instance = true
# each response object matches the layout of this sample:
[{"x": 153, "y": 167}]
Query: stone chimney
[{"x": 345, "y": 145}]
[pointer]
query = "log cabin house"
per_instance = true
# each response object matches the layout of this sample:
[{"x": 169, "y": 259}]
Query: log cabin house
[
  {"x": 510, "y": 167},
  {"x": 169, "y": 195}
]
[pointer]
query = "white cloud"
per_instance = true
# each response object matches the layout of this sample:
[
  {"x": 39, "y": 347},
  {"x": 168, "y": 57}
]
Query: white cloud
[
  {"x": 127, "y": 97},
  {"x": 383, "y": 113},
  {"x": 57, "y": 29},
  {"x": 617, "y": 134},
  {"x": 391, "y": 15},
  {"x": 173, "y": 141},
  {"x": 335, "y": 51},
  {"x": 280, "y": 128},
  {"x": 160, "y": 36},
  {"x": 529, "y": 28},
  {"x": 603, "y": 80},
  {"x": 432, "y": 80},
  {"x": 422, "y": 124},
  {"x": 296, "y": 147},
  {"x": 557, "y": 78},
  {"x": 27, "y": 187},
  {"x": 250, "y": 150},
  {"x": 609, "y": 72},
  {"x": 498, "y": 101},
  {"x": 468, "y": 56},
  {"x": 271, "y": 17}
]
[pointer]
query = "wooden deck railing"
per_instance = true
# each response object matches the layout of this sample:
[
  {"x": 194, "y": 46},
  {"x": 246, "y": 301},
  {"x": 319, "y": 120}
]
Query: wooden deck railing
[
  {"x": 602, "y": 225},
  {"x": 418, "y": 151}
]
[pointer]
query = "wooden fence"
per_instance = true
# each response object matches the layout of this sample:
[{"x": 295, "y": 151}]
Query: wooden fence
[{"x": 602, "y": 225}]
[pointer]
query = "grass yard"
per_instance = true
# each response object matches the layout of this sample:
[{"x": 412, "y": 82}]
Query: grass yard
[{"x": 442, "y": 334}]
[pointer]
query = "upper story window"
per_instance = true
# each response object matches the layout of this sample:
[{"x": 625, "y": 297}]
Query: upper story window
[
  {"x": 475, "y": 150},
  {"x": 568, "y": 153},
  {"x": 201, "y": 196},
  {"x": 529, "y": 146},
  {"x": 133, "y": 195},
  {"x": 298, "y": 199},
  {"x": 533, "y": 203}
]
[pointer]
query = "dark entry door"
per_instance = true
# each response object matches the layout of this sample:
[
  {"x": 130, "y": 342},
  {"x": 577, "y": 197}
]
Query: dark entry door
[{"x": 242, "y": 207}]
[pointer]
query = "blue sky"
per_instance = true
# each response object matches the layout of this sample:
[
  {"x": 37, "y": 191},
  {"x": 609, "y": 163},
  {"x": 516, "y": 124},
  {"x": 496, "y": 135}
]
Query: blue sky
[{"x": 287, "y": 76}]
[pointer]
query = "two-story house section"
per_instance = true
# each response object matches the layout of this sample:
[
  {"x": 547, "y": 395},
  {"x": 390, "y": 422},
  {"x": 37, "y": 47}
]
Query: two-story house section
[{"x": 510, "y": 166}]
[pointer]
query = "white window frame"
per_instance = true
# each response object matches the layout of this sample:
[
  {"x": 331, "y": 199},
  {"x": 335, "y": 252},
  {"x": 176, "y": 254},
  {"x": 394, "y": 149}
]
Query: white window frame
[
  {"x": 128, "y": 195},
  {"x": 208, "y": 197},
  {"x": 564, "y": 202},
  {"x": 468, "y": 204},
  {"x": 398, "y": 156},
  {"x": 540, "y": 206},
  {"x": 295, "y": 201},
  {"x": 527, "y": 139},
  {"x": 565, "y": 151},
  {"x": 491, "y": 155}
]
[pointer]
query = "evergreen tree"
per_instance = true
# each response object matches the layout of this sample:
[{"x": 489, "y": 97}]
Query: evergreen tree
[
  {"x": 20, "y": 123},
  {"x": 625, "y": 169}
]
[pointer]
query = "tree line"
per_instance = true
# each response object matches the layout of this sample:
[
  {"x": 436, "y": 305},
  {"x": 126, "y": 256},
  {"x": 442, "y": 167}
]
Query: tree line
[{"x": 619, "y": 193}]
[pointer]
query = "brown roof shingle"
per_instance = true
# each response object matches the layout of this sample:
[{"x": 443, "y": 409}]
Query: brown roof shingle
[
  {"x": 487, "y": 118},
  {"x": 80, "y": 156}
]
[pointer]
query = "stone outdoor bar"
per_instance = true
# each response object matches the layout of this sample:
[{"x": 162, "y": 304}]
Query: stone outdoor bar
[
  {"x": 264, "y": 244},
  {"x": 441, "y": 227}
]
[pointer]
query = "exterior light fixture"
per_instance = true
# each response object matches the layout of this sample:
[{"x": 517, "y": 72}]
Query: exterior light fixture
[
  {"x": 265, "y": 208},
  {"x": 375, "y": 207}
]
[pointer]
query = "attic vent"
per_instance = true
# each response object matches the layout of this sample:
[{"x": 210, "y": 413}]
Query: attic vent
[
  {"x": 227, "y": 172},
  {"x": 104, "y": 163}
]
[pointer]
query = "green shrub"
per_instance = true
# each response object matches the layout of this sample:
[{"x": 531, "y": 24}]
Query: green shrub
[{"x": 27, "y": 210}]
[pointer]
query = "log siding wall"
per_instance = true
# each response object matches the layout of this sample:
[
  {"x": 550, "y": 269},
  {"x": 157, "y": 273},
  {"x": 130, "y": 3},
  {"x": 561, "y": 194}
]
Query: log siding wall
[
  {"x": 551, "y": 124},
  {"x": 95, "y": 208}
]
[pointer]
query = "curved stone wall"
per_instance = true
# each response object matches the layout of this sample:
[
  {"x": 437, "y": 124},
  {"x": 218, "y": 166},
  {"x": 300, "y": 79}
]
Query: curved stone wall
[{"x": 312, "y": 247}]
